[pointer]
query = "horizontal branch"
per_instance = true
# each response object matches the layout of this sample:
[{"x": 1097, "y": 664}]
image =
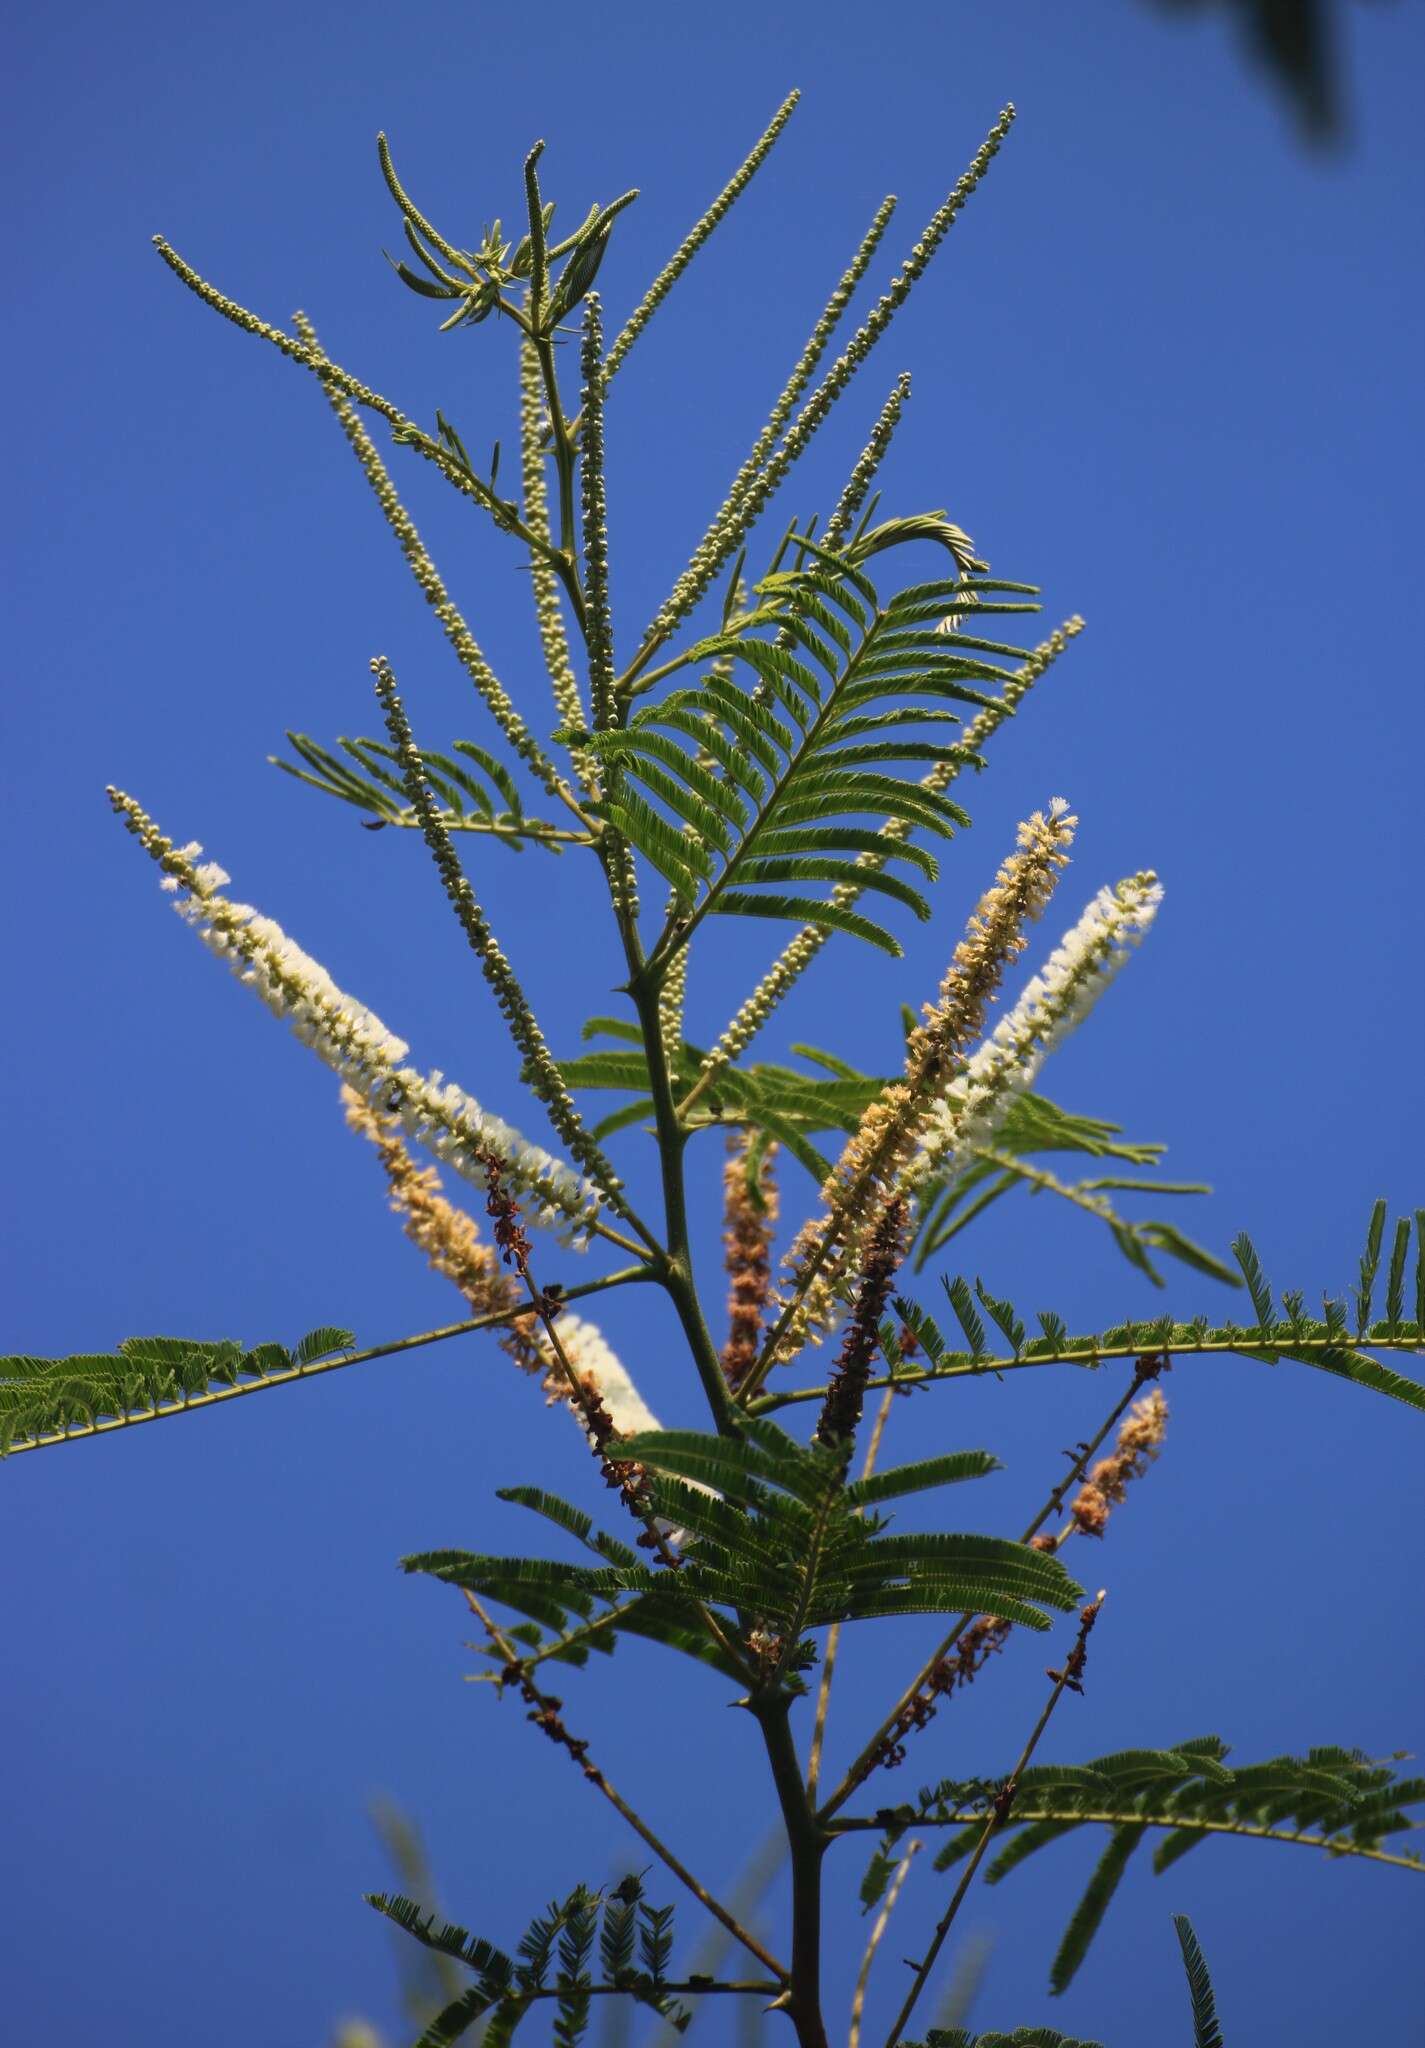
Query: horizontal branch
[
  {"x": 1025, "y": 1813},
  {"x": 1248, "y": 1344},
  {"x": 161, "y": 1410},
  {"x": 690, "y": 1987}
]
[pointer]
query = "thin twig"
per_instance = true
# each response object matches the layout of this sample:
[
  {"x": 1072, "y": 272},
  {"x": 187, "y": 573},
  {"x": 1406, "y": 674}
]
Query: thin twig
[
  {"x": 626, "y": 1475},
  {"x": 833, "y": 1640},
  {"x": 883, "y": 1920},
  {"x": 749, "y": 1888},
  {"x": 73, "y": 1432},
  {"x": 1069, "y": 1677},
  {"x": 545, "y": 1712},
  {"x": 862, "y": 1767}
]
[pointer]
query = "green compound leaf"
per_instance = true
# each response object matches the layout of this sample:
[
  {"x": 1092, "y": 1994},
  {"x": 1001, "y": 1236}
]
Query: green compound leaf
[
  {"x": 1325, "y": 1345},
  {"x": 1206, "y": 2032},
  {"x": 51, "y": 1400},
  {"x": 811, "y": 703},
  {"x": 1335, "y": 1800},
  {"x": 1088, "y": 1914},
  {"x": 768, "y": 1527},
  {"x": 553, "y": 1962}
]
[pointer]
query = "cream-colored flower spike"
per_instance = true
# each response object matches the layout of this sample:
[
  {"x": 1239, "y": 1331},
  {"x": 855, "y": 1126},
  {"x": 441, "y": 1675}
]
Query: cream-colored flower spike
[
  {"x": 1057, "y": 998},
  {"x": 879, "y": 1159},
  {"x": 597, "y": 1364},
  {"x": 354, "y": 1043}
]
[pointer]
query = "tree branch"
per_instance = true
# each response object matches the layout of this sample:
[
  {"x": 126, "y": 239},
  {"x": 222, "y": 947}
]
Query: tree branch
[
  {"x": 215, "y": 1395},
  {"x": 999, "y": 1813},
  {"x": 545, "y": 1713}
]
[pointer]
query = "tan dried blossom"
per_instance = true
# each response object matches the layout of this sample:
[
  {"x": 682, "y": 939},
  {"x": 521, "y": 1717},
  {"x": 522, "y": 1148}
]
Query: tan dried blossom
[
  {"x": 1090, "y": 1510},
  {"x": 749, "y": 1221},
  {"x": 877, "y": 1155},
  {"x": 994, "y": 936},
  {"x": 1140, "y": 1438},
  {"x": 449, "y": 1237}
]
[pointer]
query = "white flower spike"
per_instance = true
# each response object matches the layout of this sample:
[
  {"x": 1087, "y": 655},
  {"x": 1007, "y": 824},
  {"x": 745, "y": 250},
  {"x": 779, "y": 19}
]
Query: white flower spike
[{"x": 1056, "y": 999}]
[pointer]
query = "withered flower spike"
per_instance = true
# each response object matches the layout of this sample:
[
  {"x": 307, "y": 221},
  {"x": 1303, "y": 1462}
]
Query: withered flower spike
[
  {"x": 748, "y": 1226},
  {"x": 876, "y": 1157},
  {"x": 565, "y": 1382},
  {"x": 1071, "y": 1677},
  {"x": 1140, "y": 1438},
  {"x": 446, "y": 1234},
  {"x": 846, "y": 1393},
  {"x": 977, "y": 1644}
]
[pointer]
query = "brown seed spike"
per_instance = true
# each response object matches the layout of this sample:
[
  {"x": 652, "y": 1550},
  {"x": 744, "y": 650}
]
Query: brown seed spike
[
  {"x": 748, "y": 1224},
  {"x": 841, "y": 1411}
]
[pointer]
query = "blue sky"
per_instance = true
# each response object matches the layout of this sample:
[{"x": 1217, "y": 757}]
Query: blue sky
[{"x": 1168, "y": 367}]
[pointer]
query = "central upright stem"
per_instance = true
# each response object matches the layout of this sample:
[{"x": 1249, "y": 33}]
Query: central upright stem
[
  {"x": 674, "y": 1267},
  {"x": 807, "y": 1842},
  {"x": 677, "y": 1275}
]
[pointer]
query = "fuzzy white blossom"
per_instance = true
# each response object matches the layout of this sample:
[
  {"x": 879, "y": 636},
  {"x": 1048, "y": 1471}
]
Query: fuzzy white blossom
[
  {"x": 1056, "y": 999},
  {"x": 355, "y": 1044},
  {"x": 594, "y": 1360},
  {"x": 596, "y": 1363}
]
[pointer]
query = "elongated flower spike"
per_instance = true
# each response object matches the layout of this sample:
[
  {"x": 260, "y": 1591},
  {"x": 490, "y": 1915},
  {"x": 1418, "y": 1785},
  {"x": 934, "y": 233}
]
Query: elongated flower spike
[
  {"x": 615, "y": 852},
  {"x": 1140, "y": 1439},
  {"x": 828, "y": 320},
  {"x": 701, "y": 229},
  {"x": 858, "y": 484},
  {"x": 872, "y": 1166},
  {"x": 992, "y": 716},
  {"x": 601, "y": 1372},
  {"x": 451, "y": 1241},
  {"x": 743, "y": 507},
  {"x": 354, "y": 1043},
  {"x": 432, "y": 587},
  {"x": 883, "y": 1250},
  {"x": 595, "y": 515},
  {"x": 1141, "y": 1435},
  {"x": 548, "y": 612},
  {"x": 710, "y": 553},
  {"x": 975, "y": 1103},
  {"x": 607, "y": 1404},
  {"x": 541, "y": 1074},
  {"x": 443, "y": 452},
  {"x": 412, "y": 213},
  {"x": 449, "y": 1237},
  {"x": 673, "y": 990},
  {"x": 749, "y": 1221}
]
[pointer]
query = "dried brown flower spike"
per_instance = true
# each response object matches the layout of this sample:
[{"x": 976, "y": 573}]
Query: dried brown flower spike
[
  {"x": 749, "y": 1220},
  {"x": 1140, "y": 1438}
]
